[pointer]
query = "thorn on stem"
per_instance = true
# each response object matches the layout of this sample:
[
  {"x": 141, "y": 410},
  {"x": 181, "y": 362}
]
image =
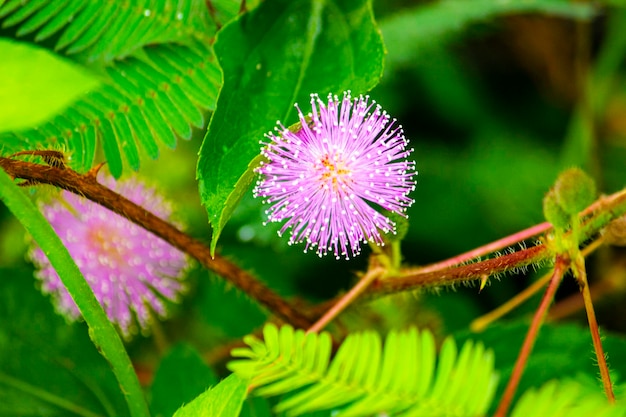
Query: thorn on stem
[
  {"x": 483, "y": 282},
  {"x": 93, "y": 172}
]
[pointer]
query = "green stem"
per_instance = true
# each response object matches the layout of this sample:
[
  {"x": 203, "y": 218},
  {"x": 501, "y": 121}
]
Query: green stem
[
  {"x": 396, "y": 256},
  {"x": 101, "y": 331}
]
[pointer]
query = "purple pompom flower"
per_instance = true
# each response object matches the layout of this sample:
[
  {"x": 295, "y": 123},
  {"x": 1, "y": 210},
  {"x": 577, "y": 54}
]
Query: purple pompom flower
[
  {"x": 130, "y": 270},
  {"x": 323, "y": 176}
]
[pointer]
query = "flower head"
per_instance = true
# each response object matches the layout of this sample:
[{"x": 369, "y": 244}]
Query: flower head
[
  {"x": 322, "y": 178},
  {"x": 130, "y": 270}
]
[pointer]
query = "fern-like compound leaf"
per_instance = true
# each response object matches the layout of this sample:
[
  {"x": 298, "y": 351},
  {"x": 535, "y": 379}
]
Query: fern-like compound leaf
[
  {"x": 566, "y": 399},
  {"x": 143, "y": 103},
  {"x": 103, "y": 31},
  {"x": 403, "y": 378},
  {"x": 159, "y": 75}
]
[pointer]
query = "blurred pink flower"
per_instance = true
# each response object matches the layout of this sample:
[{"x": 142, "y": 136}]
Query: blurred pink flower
[{"x": 130, "y": 270}]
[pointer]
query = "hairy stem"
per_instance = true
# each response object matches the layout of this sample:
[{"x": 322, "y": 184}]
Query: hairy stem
[
  {"x": 413, "y": 278},
  {"x": 481, "y": 323},
  {"x": 581, "y": 274},
  {"x": 489, "y": 248},
  {"x": 87, "y": 186},
  {"x": 560, "y": 267}
]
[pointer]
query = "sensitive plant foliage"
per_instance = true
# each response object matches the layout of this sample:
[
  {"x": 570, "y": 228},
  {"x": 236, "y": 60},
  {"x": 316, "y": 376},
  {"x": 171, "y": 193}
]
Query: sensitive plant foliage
[
  {"x": 130, "y": 270},
  {"x": 364, "y": 378},
  {"x": 322, "y": 175}
]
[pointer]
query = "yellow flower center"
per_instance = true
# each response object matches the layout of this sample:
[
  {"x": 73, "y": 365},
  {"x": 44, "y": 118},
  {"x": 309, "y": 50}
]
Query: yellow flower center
[
  {"x": 107, "y": 244},
  {"x": 334, "y": 174}
]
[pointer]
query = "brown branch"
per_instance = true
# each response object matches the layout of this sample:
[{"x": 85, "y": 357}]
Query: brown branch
[
  {"x": 86, "y": 185},
  {"x": 595, "y": 218}
]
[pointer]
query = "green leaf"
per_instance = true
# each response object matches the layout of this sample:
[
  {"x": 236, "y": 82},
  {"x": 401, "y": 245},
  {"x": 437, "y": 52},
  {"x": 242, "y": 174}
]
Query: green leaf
[
  {"x": 47, "y": 367},
  {"x": 223, "y": 400},
  {"x": 408, "y": 33},
  {"x": 101, "y": 330},
  {"x": 290, "y": 50},
  {"x": 181, "y": 376},
  {"x": 36, "y": 84},
  {"x": 364, "y": 379}
]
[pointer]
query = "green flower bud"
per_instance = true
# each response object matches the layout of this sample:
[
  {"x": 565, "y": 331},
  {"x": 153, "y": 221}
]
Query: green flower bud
[
  {"x": 554, "y": 213},
  {"x": 574, "y": 190}
]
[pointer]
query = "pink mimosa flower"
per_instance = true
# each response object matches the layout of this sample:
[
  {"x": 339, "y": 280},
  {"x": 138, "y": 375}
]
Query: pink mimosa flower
[{"x": 325, "y": 178}]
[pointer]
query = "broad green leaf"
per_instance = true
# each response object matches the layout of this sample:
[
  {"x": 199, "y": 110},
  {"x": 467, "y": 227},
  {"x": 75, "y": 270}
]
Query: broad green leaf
[
  {"x": 36, "y": 84},
  {"x": 223, "y": 400},
  {"x": 411, "y": 31},
  {"x": 101, "y": 330},
  {"x": 271, "y": 58},
  {"x": 47, "y": 367},
  {"x": 181, "y": 376}
]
